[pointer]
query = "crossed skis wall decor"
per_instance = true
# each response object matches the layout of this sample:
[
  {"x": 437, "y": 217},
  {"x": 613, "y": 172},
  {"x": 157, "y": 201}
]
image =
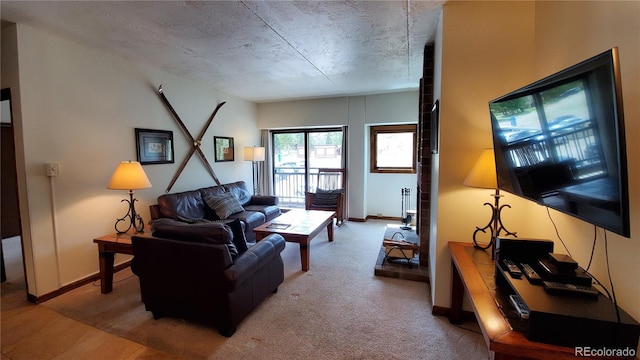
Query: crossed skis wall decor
[{"x": 195, "y": 148}]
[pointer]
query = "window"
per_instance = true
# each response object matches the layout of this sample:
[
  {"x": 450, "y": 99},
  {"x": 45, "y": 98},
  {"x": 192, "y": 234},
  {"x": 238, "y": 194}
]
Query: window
[
  {"x": 298, "y": 155},
  {"x": 393, "y": 148}
]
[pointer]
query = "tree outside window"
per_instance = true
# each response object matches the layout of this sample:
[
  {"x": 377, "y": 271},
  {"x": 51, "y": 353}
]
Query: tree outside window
[{"x": 393, "y": 148}]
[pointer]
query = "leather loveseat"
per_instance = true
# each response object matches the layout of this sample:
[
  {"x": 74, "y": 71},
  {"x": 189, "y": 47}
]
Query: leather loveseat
[
  {"x": 205, "y": 272},
  {"x": 196, "y": 206}
]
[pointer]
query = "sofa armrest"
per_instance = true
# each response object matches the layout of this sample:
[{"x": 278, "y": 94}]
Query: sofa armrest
[
  {"x": 253, "y": 259},
  {"x": 154, "y": 211},
  {"x": 263, "y": 200}
]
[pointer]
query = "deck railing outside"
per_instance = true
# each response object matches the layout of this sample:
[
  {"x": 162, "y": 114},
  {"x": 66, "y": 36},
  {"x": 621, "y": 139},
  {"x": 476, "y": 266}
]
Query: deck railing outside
[{"x": 289, "y": 185}]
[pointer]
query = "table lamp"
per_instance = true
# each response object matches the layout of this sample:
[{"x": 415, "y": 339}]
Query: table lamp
[
  {"x": 483, "y": 175},
  {"x": 254, "y": 154},
  {"x": 129, "y": 175}
]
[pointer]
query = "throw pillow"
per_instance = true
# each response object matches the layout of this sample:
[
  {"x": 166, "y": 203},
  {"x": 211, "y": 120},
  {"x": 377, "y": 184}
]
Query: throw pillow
[
  {"x": 239, "y": 238},
  {"x": 224, "y": 204},
  {"x": 326, "y": 197}
]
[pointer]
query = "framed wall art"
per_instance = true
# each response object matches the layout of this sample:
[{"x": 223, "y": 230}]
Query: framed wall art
[
  {"x": 224, "y": 148},
  {"x": 154, "y": 146}
]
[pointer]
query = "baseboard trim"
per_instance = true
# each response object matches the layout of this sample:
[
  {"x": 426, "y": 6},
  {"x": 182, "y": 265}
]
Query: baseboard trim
[
  {"x": 375, "y": 217},
  {"x": 444, "y": 311},
  {"x": 381, "y": 217},
  {"x": 74, "y": 285}
]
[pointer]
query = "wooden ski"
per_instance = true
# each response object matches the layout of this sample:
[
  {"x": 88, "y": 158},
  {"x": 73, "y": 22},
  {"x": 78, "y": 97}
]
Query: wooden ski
[{"x": 195, "y": 148}]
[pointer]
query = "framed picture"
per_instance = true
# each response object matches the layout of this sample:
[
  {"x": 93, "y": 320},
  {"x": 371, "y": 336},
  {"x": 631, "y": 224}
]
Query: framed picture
[
  {"x": 224, "y": 148},
  {"x": 435, "y": 126},
  {"x": 154, "y": 146}
]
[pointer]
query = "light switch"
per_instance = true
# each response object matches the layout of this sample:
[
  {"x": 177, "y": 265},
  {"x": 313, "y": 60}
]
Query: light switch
[{"x": 52, "y": 169}]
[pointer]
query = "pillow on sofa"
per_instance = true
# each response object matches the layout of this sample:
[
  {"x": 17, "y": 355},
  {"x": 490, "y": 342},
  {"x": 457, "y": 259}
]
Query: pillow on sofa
[
  {"x": 239, "y": 238},
  {"x": 326, "y": 197},
  {"x": 213, "y": 233},
  {"x": 224, "y": 204}
]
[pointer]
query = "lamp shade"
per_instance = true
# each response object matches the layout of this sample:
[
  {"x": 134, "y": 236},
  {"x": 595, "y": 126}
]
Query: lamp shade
[
  {"x": 483, "y": 173},
  {"x": 129, "y": 175},
  {"x": 255, "y": 153}
]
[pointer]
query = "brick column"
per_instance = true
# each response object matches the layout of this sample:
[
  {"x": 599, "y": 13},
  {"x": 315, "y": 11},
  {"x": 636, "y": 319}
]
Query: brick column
[{"x": 425, "y": 104}]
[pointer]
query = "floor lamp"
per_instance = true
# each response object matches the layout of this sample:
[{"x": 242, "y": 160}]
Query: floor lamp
[
  {"x": 254, "y": 154},
  {"x": 483, "y": 175}
]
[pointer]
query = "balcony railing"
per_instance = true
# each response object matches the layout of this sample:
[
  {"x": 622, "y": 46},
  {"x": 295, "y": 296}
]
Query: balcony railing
[
  {"x": 574, "y": 142},
  {"x": 289, "y": 185}
]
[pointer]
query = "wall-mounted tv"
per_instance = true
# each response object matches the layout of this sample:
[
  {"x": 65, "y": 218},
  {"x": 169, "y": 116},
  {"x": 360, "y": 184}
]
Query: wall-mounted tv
[{"x": 560, "y": 142}]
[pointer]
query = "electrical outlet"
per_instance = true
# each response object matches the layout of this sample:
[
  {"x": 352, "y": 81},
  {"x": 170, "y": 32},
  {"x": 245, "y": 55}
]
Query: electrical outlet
[{"x": 52, "y": 169}]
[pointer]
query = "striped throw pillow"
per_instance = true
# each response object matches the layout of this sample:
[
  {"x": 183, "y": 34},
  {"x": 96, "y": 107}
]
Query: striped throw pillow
[{"x": 224, "y": 204}]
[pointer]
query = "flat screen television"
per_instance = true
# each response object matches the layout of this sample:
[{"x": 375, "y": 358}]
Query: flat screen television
[{"x": 560, "y": 142}]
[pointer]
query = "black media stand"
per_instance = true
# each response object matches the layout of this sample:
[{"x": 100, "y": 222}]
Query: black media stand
[{"x": 571, "y": 320}]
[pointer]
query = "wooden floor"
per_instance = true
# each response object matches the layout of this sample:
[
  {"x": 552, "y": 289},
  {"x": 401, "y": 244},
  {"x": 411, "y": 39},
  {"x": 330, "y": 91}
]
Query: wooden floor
[{"x": 32, "y": 331}]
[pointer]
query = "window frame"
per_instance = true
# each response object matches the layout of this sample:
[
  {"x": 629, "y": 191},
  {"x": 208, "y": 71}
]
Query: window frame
[{"x": 390, "y": 129}]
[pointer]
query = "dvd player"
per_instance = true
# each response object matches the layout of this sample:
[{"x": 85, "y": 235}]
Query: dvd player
[{"x": 551, "y": 272}]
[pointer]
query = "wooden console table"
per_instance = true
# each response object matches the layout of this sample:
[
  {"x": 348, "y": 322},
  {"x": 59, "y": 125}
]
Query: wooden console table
[{"x": 473, "y": 273}]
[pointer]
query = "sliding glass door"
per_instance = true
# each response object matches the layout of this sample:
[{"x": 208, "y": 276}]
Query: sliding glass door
[{"x": 297, "y": 156}]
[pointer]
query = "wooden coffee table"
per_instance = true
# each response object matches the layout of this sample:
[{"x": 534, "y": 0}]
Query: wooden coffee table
[{"x": 299, "y": 226}]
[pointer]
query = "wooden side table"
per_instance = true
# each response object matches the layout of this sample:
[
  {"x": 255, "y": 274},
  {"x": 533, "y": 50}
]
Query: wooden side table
[{"x": 108, "y": 246}]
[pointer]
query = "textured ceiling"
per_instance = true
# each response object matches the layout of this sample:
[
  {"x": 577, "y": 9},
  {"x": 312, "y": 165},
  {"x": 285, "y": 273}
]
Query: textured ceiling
[{"x": 257, "y": 50}]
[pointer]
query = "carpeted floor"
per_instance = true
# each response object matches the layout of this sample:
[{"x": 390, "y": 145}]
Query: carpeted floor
[{"x": 336, "y": 310}]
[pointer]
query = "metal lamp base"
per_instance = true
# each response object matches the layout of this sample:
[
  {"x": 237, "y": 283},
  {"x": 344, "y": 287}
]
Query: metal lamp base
[
  {"x": 135, "y": 221},
  {"x": 495, "y": 225}
]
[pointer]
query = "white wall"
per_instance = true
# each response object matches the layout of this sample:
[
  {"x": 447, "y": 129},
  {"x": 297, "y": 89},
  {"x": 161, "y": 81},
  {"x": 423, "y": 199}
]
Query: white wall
[
  {"x": 369, "y": 194},
  {"x": 491, "y": 48},
  {"x": 596, "y": 27},
  {"x": 79, "y": 106}
]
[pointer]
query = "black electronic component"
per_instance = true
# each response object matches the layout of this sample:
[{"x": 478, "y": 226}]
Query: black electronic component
[
  {"x": 563, "y": 262},
  {"x": 552, "y": 273}
]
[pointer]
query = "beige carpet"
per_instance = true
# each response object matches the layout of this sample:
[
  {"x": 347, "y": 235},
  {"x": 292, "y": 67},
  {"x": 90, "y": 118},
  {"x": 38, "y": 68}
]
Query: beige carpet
[{"x": 336, "y": 310}]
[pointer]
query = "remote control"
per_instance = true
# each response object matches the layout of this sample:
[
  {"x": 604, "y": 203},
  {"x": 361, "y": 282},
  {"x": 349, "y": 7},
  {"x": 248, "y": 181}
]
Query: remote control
[
  {"x": 570, "y": 289},
  {"x": 512, "y": 268},
  {"x": 520, "y": 306},
  {"x": 531, "y": 274}
]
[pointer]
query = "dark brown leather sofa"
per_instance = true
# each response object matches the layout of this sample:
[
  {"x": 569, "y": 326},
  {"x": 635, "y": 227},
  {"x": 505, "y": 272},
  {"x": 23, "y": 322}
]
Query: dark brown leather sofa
[
  {"x": 191, "y": 272},
  {"x": 191, "y": 206}
]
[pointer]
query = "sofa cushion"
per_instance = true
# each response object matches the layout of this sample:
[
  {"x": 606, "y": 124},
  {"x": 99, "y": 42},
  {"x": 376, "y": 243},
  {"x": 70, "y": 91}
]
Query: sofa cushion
[
  {"x": 224, "y": 204},
  {"x": 239, "y": 239},
  {"x": 251, "y": 219},
  {"x": 240, "y": 190},
  {"x": 214, "y": 233},
  {"x": 270, "y": 211},
  {"x": 186, "y": 204},
  {"x": 193, "y": 221}
]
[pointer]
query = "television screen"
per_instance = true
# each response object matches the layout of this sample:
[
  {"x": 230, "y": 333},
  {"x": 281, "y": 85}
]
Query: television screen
[{"x": 560, "y": 142}]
